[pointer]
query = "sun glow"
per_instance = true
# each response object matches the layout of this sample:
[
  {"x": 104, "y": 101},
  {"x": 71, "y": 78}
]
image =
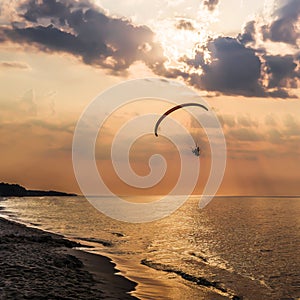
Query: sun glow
[{"x": 182, "y": 37}]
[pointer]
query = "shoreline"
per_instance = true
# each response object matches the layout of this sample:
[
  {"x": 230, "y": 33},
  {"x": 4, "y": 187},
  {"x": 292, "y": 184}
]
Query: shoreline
[
  {"x": 139, "y": 281},
  {"x": 36, "y": 264}
]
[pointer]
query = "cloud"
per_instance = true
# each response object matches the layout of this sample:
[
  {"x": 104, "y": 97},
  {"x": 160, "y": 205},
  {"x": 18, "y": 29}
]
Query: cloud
[
  {"x": 270, "y": 120},
  {"x": 227, "y": 120},
  {"x": 227, "y": 65},
  {"x": 239, "y": 121},
  {"x": 248, "y": 36},
  {"x": 54, "y": 127},
  {"x": 283, "y": 131},
  {"x": 234, "y": 69},
  {"x": 14, "y": 65},
  {"x": 292, "y": 126},
  {"x": 34, "y": 10},
  {"x": 83, "y": 30},
  {"x": 31, "y": 129},
  {"x": 184, "y": 25},
  {"x": 246, "y": 121},
  {"x": 282, "y": 71},
  {"x": 235, "y": 66},
  {"x": 15, "y": 110},
  {"x": 284, "y": 27},
  {"x": 27, "y": 104},
  {"x": 211, "y": 4},
  {"x": 245, "y": 134},
  {"x": 274, "y": 136}
]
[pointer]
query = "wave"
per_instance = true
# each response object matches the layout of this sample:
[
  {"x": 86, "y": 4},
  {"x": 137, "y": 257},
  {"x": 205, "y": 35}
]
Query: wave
[
  {"x": 104, "y": 243},
  {"x": 213, "y": 285}
]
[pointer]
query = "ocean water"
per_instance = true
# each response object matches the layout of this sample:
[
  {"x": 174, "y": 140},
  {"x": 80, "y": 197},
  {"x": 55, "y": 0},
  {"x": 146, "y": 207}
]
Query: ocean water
[{"x": 246, "y": 247}]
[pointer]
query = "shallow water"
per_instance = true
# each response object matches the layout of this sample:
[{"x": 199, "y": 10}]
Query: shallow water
[{"x": 244, "y": 246}]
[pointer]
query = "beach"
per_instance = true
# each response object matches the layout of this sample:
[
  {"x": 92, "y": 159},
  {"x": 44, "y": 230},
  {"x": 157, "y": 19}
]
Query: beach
[
  {"x": 237, "y": 248},
  {"x": 36, "y": 264}
]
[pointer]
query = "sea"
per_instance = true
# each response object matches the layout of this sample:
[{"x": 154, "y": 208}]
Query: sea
[{"x": 235, "y": 248}]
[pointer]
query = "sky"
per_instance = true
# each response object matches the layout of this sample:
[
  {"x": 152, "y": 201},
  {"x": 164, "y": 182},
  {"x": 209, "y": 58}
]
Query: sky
[{"x": 241, "y": 56}]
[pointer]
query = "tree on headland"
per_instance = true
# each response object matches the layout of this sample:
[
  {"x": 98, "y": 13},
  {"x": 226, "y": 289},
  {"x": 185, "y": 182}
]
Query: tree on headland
[{"x": 16, "y": 190}]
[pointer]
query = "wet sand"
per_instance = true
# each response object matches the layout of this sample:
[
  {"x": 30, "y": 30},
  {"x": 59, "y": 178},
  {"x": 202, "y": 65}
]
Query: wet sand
[{"x": 39, "y": 265}]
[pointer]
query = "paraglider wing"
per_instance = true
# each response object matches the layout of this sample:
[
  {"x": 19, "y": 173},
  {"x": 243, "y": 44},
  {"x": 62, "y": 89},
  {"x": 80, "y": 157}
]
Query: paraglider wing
[{"x": 173, "y": 109}]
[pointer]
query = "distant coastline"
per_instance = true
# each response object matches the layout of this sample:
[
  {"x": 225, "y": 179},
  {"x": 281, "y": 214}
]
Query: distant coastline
[{"x": 16, "y": 190}]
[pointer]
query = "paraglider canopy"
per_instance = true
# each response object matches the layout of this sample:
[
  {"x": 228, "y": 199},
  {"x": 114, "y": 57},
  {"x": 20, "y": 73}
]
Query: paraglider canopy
[{"x": 172, "y": 110}]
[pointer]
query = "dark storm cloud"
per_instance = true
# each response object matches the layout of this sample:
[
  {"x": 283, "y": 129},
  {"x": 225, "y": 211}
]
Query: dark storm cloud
[
  {"x": 211, "y": 4},
  {"x": 248, "y": 35},
  {"x": 185, "y": 25},
  {"x": 83, "y": 30},
  {"x": 46, "y": 9},
  {"x": 284, "y": 27},
  {"x": 280, "y": 93},
  {"x": 234, "y": 69},
  {"x": 282, "y": 70},
  {"x": 47, "y": 38}
]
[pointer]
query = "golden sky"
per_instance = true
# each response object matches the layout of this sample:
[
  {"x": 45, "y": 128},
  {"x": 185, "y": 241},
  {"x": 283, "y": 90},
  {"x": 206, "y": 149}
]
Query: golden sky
[{"x": 241, "y": 56}]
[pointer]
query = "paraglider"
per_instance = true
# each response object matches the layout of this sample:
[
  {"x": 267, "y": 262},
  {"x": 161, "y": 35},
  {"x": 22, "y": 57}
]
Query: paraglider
[
  {"x": 173, "y": 109},
  {"x": 196, "y": 150}
]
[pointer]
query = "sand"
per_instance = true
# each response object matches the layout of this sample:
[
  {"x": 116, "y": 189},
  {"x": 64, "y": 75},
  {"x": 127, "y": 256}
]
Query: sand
[{"x": 35, "y": 264}]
